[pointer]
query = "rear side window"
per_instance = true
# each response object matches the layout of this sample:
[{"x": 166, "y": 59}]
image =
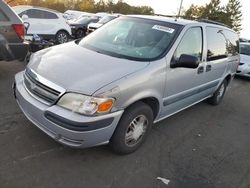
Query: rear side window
[
  {"x": 216, "y": 44},
  {"x": 3, "y": 17},
  {"x": 191, "y": 44},
  {"x": 232, "y": 43},
  {"x": 39, "y": 14},
  {"x": 49, "y": 15}
]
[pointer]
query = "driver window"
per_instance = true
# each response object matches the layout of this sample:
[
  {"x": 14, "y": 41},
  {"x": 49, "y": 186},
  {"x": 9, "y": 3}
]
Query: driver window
[{"x": 191, "y": 44}]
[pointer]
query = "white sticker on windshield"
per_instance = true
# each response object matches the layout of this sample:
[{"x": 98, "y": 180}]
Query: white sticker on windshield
[{"x": 162, "y": 28}]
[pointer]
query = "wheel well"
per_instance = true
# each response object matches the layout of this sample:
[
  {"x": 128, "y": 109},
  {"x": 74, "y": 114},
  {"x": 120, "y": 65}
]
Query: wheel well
[
  {"x": 153, "y": 103},
  {"x": 63, "y": 31},
  {"x": 228, "y": 78}
]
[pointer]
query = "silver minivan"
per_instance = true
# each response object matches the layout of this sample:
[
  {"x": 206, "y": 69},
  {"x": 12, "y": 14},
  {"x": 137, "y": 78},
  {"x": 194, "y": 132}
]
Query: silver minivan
[{"x": 111, "y": 86}]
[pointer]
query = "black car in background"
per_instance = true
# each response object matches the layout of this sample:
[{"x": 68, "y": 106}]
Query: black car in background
[
  {"x": 12, "y": 33},
  {"x": 93, "y": 26},
  {"x": 79, "y": 27}
]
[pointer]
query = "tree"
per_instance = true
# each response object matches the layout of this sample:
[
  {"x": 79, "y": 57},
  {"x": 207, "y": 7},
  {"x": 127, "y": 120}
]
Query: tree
[
  {"x": 233, "y": 9},
  {"x": 229, "y": 14}
]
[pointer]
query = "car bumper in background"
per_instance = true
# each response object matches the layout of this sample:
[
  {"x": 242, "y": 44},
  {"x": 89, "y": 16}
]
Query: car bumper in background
[
  {"x": 63, "y": 125},
  {"x": 244, "y": 70}
]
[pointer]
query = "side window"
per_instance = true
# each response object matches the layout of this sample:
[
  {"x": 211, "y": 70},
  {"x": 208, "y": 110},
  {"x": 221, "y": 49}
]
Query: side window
[
  {"x": 216, "y": 44},
  {"x": 191, "y": 44},
  {"x": 2, "y": 17},
  {"x": 232, "y": 43},
  {"x": 34, "y": 13},
  {"x": 49, "y": 15},
  {"x": 23, "y": 13}
]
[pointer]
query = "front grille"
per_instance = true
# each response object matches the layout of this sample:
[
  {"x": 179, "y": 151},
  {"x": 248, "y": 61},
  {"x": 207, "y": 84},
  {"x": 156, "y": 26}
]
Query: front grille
[
  {"x": 238, "y": 71},
  {"x": 39, "y": 90}
]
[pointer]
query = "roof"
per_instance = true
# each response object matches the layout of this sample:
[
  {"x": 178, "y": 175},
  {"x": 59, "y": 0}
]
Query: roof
[
  {"x": 181, "y": 21},
  {"x": 35, "y": 7},
  {"x": 165, "y": 19}
]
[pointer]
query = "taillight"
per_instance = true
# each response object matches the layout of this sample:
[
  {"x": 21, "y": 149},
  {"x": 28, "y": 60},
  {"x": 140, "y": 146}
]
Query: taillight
[{"x": 20, "y": 30}]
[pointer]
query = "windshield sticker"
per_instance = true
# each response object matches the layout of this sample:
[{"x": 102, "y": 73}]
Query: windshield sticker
[{"x": 162, "y": 28}]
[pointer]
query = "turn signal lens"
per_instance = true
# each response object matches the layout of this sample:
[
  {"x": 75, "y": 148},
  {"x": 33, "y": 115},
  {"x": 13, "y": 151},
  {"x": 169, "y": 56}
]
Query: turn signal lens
[{"x": 105, "y": 106}]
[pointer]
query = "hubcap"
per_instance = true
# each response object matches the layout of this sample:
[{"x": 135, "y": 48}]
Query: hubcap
[
  {"x": 62, "y": 38},
  {"x": 136, "y": 130},
  {"x": 221, "y": 91}
]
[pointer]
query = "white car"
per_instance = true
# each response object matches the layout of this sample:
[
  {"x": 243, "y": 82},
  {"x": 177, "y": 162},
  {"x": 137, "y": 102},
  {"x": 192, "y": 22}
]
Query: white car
[
  {"x": 244, "y": 66},
  {"x": 47, "y": 23}
]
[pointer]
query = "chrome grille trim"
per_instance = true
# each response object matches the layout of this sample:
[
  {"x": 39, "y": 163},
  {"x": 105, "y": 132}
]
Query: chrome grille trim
[{"x": 41, "y": 88}]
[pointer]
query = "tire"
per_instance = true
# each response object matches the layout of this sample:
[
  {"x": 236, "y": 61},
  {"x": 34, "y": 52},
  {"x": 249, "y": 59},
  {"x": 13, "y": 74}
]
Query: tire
[
  {"x": 80, "y": 33},
  {"x": 62, "y": 37},
  {"x": 218, "y": 94},
  {"x": 132, "y": 129}
]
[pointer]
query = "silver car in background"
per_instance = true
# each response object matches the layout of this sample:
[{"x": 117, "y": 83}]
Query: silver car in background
[
  {"x": 111, "y": 86},
  {"x": 244, "y": 66}
]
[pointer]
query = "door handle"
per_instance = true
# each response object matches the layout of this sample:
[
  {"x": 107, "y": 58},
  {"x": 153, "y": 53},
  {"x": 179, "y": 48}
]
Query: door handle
[
  {"x": 200, "y": 70},
  {"x": 208, "y": 68}
]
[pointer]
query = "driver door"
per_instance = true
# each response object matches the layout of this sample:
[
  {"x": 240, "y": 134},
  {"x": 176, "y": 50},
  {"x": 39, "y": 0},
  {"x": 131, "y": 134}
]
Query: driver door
[{"x": 183, "y": 84}]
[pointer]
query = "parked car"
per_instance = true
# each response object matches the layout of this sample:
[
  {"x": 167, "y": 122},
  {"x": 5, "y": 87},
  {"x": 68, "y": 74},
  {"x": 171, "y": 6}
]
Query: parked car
[
  {"x": 79, "y": 27},
  {"x": 73, "y": 14},
  {"x": 47, "y": 23},
  {"x": 111, "y": 86},
  {"x": 12, "y": 33},
  {"x": 93, "y": 26},
  {"x": 244, "y": 66}
]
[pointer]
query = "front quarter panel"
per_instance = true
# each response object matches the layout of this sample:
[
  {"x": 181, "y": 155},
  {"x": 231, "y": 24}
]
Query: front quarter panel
[{"x": 149, "y": 82}]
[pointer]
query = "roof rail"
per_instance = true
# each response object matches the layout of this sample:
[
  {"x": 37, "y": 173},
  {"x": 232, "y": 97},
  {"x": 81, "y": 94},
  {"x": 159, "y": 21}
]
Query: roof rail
[{"x": 213, "y": 22}]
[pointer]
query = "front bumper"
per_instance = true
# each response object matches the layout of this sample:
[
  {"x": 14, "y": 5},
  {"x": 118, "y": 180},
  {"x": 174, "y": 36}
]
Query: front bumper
[
  {"x": 64, "y": 126},
  {"x": 244, "y": 70}
]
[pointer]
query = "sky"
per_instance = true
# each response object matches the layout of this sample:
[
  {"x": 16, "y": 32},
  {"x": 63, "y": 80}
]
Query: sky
[{"x": 170, "y": 7}]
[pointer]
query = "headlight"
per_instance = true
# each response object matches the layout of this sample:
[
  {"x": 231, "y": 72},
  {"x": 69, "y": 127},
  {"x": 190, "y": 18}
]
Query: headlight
[
  {"x": 73, "y": 27},
  {"x": 86, "y": 105}
]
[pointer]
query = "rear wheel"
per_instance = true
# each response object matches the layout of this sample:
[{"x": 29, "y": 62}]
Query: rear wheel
[
  {"x": 62, "y": 37},
  {"x": 132, "y": 129},
  {"x": 218, "y": 94}
]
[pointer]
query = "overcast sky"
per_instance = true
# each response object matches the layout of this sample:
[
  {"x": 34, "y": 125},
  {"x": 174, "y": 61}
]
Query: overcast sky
[{"x": 169, "y": 7}]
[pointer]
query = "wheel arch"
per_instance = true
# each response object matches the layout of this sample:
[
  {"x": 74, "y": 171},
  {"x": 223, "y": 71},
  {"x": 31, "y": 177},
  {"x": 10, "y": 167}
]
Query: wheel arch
[
  {"x": 64, "y": 30},
  {"x": 152, "y": 102}
]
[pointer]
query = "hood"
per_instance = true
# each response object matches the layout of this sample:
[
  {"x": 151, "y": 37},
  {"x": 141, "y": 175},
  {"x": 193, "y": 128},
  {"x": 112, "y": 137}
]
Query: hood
[
  {"x": 244, "y": 58},
  {"x": 78, "y": 69}
]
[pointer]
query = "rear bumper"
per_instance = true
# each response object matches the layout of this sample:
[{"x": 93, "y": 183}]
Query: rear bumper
[
  {"x": 64, "y": 126},
  {"x": 243, "y": 70},
  {"x": 14, "y": 51}
]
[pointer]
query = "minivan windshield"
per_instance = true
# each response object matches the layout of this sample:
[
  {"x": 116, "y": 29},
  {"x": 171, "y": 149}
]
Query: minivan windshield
[
  {"x": 133, "y": 38},
  {"x": 245, "y": 49}
]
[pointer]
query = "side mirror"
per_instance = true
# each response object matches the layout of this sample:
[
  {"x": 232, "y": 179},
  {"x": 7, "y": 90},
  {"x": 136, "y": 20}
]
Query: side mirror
[
  {"x": 25, "y": 17},
  {"x": 186, "y": 61}
]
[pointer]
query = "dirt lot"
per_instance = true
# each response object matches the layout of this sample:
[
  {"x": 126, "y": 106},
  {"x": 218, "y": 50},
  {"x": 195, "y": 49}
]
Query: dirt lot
[{"x": 201, "y": 147}]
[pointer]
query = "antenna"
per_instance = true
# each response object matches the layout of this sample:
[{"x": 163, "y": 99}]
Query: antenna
[{"x": 179, "y": 12}]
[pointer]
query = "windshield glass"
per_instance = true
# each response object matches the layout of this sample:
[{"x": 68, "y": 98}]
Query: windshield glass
[
  {"x": 85, "y": 19},
  {"x": 106, "y": 19},
  {"x": 132, "y": 38},
  {"x": 245, "y": 49}
]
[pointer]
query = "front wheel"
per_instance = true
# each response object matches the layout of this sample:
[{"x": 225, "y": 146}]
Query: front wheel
[
  {"x": 218, "y": 94},
  {"x": 80, "y": 33},
  {"x": 62, "y": 37},
  {"x": 132, "y": 129}
]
